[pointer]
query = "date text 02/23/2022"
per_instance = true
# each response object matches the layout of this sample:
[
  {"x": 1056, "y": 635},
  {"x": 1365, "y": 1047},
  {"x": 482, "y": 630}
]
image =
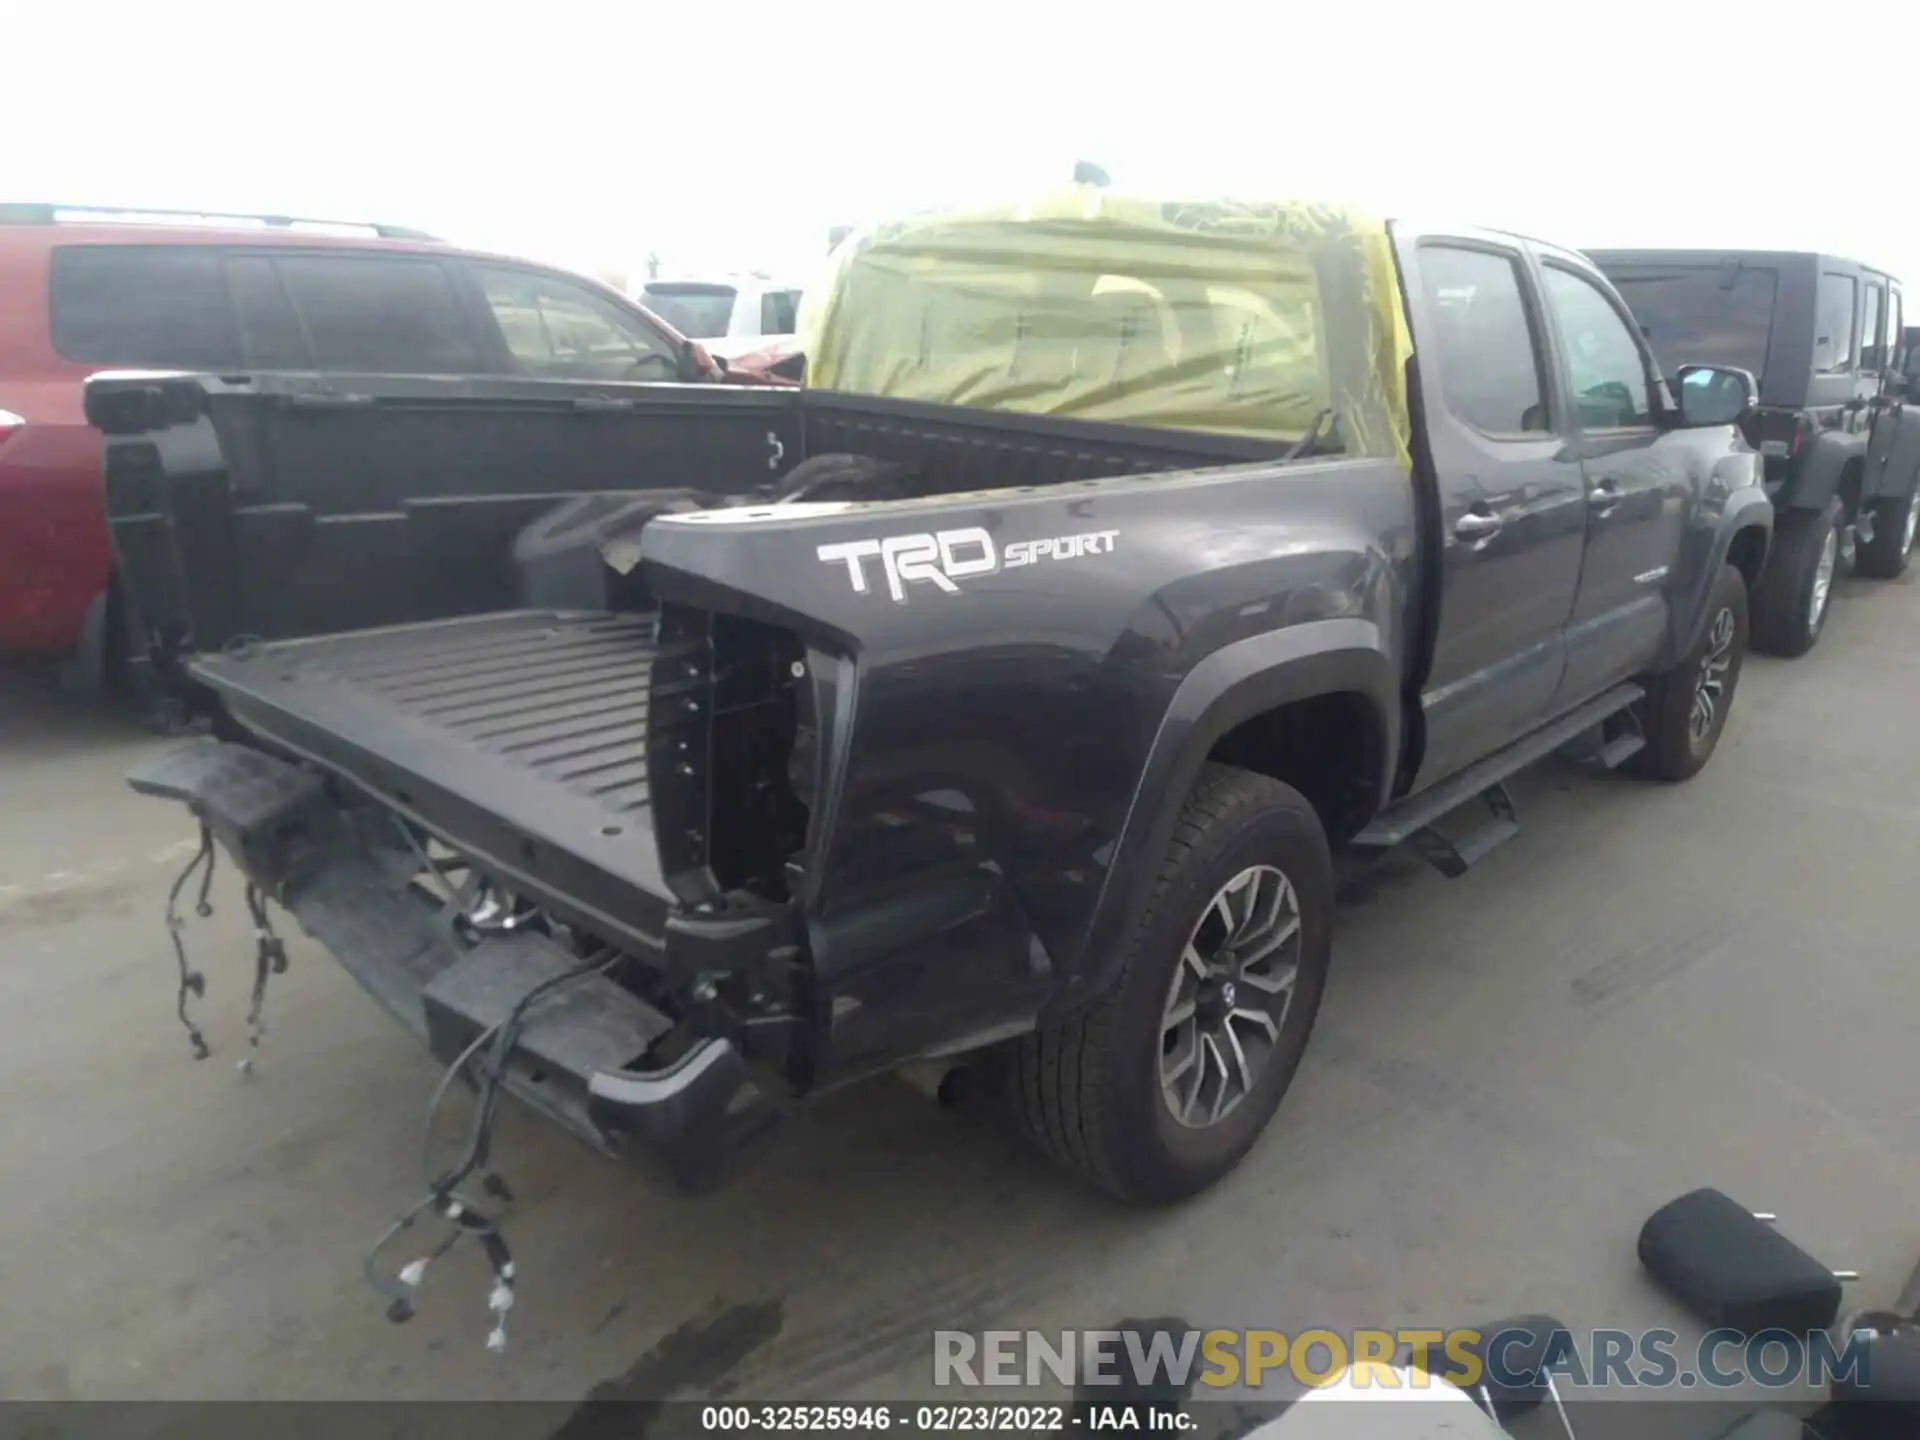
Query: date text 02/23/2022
[{"x": 941, "y": 1419}]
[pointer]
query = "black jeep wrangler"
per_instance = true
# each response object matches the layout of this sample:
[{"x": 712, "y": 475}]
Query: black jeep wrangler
[{"x": 1841, "y": 445}]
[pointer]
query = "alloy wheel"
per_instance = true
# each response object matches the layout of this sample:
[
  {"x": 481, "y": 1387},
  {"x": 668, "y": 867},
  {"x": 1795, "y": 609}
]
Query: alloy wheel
[
  {"x": 1710, "y": 691},
  {"x": 1229, "y": 997},
  {"x": 1913, "y": 523},
  {"x": 1823, "y": 579}
]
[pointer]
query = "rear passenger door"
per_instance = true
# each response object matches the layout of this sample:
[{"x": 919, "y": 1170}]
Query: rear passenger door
[
  {"x": 1512, "y": 507},
  {"x": 1641, "y": 480},
  {"x": 353, "y": 312},
  {"x": 377, "y": 313}
]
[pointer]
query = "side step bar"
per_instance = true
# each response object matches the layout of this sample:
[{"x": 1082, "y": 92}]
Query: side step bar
[
  {"x": 1415, "y": 818},
  {"x": 1454, "y": 857}
]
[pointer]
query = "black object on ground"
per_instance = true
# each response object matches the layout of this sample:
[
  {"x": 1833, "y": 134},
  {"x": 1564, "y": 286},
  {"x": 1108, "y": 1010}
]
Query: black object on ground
[
  {"x": 1881, "y": 1397},
  {"x": 1514, "y": 1355},
  {"x": 1733, "y": 1269}
]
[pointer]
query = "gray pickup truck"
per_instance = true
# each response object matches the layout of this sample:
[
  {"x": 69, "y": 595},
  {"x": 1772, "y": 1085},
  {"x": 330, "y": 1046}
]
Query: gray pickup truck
[{"x": 1003, "y": 696}]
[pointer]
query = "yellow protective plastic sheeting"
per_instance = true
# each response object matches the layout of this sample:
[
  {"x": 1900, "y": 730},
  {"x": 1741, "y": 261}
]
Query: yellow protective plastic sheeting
[{"x": 1236, "y": 318}]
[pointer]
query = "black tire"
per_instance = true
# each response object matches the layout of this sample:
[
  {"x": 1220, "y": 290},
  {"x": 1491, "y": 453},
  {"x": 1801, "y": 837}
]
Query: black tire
[
  {"x": 1896, "y": 524},
  {"x": 1088, "y": 1092},
  {"x": 1675, "y": 749},
  {"x": 1784, "y": 622}
]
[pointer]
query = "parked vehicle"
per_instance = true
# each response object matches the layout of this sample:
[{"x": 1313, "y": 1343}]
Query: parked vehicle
[
  {"x": 1004, "y": 694},
  {"x": 82, "y": 289},
  {"x": 1841, "y": 448},
  {"x": 778, "y": 363},
  {"x": 731, "y": 317}
]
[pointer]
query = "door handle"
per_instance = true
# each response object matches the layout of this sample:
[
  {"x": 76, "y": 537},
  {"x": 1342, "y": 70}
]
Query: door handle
[
  {"x": 1476, "y": 527},
  {"x": 1604, "y": 496}
]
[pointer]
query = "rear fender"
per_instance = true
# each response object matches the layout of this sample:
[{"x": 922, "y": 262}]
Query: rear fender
[
  {"x": 972, "y": 754},
  {"x": 1817, "y": 479},
  {"x": 1235, "y": 683}
]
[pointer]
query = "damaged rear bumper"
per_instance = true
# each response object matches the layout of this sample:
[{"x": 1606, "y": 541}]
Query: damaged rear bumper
[{"x": 580, "y": 1057}]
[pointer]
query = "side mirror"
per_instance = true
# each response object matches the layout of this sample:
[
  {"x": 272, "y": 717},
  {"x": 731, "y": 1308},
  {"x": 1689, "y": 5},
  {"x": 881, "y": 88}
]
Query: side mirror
[{"x": 1714, "y": 394}]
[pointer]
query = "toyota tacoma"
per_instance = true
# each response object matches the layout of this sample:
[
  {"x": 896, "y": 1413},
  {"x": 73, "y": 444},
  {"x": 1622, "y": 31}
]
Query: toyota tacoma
[{"x": 668, "y": 755}]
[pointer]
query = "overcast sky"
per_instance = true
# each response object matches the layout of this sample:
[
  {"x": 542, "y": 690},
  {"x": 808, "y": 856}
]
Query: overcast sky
[{"x": 733, "y": 134}]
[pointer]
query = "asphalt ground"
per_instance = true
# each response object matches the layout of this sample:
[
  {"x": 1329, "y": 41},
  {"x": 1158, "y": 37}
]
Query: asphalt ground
[{"x": 1654, "y": 988}]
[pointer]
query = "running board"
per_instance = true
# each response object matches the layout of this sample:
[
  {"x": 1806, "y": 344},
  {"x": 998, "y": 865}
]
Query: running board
[
  {"x": 1592, "y": 749},
  {"x": 1454, "y": 856},
  {"x": 1414, "y": 819}
]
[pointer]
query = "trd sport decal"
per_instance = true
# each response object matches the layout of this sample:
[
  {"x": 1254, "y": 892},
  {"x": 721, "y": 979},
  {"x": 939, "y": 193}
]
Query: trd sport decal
[{"x": 944, "y": 557}]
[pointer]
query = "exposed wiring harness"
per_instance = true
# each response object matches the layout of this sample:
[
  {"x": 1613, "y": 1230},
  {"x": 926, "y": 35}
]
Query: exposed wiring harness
[
  {"x": 443, "y": 1197},
  {"x": 489, "y": 1052},
  {"x": 270, "y": 952},
  {"x": 269, "y": 958},
  {"x": 191, "y": 980}
]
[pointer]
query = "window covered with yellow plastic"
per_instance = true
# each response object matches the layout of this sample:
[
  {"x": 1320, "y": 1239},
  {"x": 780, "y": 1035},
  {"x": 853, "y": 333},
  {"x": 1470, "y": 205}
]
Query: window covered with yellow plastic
[{"x": 1271, "y": 321}]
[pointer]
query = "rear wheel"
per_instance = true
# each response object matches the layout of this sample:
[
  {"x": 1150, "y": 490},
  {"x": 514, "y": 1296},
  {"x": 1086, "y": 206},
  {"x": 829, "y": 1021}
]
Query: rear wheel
[
  {"x": 1896, "y": 524},
  {"x": 1796, "y": 589},
  {"x": 1163, "y": 1085},
  {"x": 1685, "y": 709}
]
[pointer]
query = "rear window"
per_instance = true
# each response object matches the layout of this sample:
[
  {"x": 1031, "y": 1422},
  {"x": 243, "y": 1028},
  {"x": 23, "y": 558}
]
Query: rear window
[
  {"x": 159, "y": 305},
  {"x": 379, "y": 313},
  {"x": 699, "y": 312},
  {"x": 1224, "y": 339},
  {"x": 1701, "y": 314},
  {"x": 1834, "y": 348}
]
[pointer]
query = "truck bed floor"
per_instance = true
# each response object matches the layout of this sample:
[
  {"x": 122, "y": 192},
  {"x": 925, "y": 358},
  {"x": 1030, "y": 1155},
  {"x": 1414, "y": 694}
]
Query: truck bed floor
[{"x": 518, "y": 737}]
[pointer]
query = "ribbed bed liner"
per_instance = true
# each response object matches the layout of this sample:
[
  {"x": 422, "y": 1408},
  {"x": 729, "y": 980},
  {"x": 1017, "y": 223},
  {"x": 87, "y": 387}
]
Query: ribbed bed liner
[
  {"x": 563, "y": 696},
  {"x": 495, "y": 730}
]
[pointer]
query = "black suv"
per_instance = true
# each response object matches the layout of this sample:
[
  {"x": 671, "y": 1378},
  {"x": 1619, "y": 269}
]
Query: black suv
[{"x": 1842, "y": 449}]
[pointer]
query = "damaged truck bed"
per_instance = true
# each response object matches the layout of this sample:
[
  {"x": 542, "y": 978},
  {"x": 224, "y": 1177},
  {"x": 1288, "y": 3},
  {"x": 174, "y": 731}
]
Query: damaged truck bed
[{"x": 459, "y": 805}]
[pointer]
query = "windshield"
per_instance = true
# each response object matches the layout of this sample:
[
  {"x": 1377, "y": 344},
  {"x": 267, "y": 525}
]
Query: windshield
[
  {"x": 699, "y": 312},
  {"x": 1701, "y": 314}
]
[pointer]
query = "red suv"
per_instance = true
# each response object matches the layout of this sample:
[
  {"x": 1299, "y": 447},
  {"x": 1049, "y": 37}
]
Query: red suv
[{"x": 86, "y": 290}]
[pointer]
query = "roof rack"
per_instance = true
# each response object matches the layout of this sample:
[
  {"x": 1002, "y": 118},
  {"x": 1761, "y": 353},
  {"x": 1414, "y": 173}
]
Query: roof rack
[{"x": 34, "y": 214}]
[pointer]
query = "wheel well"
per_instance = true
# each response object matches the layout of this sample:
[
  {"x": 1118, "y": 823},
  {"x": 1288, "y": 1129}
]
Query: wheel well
[
  {"x": 1748, "y": 554},
  {"x": 1329, "y": 748}
]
